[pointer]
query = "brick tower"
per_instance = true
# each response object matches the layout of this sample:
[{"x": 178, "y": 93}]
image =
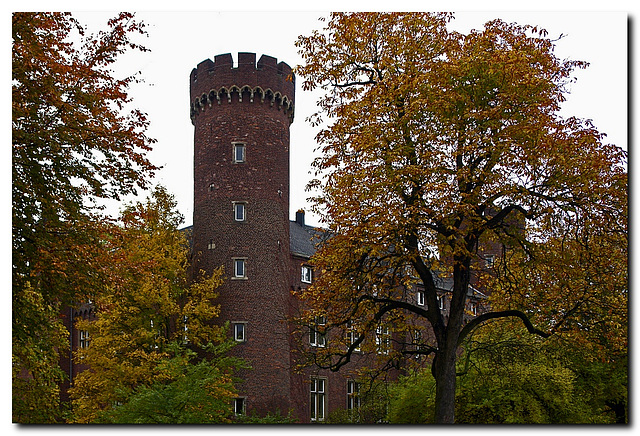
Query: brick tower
[{"x": 241, "y": 115}]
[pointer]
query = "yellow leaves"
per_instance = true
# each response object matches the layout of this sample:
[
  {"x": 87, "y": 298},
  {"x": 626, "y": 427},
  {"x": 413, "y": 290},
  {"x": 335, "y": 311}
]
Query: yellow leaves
[{"x": 150, "y": 306}]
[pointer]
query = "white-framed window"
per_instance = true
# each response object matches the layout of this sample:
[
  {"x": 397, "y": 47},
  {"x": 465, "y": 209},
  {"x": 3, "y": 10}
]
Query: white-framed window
[
  {"x": 353, "y": 395},
  {"x": 239, "y": 211},
  {"x": 185, "y": 329},
  {"x": 317, "y": 336},
  {"x": 239, "y": 268},
  {"x": 420, "y": 298},
  {"x": 318, "y": 399},
  {"x": 307, "y": 274},
  {"x": 84, "y": 339},
  {"x": 239, "y": 152},
  {"x": 417, "y": 336},
  {"x": 211, "y": 244},
  {"x": 383, "y": 340},
  {"x": 473, "y": 308},
  {"x": 440, "y": 301},
  {"x": 239, "y": 406},
  {"x": 352, "y": 336},
  {"x": 489, "y": 261},
  {"x": 239, "y": 331}
]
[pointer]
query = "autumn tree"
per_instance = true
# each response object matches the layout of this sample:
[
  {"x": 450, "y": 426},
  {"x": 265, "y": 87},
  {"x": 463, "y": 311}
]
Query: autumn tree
[
  {"x": 431, "y": 143},
  {"x": 155, "y": 355},
  {"x": 74, "y": 142},
  {"x": 573, "y": 279}
]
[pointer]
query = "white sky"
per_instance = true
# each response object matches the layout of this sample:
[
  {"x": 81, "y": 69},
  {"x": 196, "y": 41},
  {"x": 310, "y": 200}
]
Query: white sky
[{"x": 180, "y": 39}]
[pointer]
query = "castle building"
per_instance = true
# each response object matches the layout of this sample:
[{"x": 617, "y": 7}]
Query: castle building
[{"x": 241, "y": 115}]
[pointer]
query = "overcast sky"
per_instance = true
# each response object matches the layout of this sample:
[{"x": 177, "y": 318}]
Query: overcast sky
[{"x": 179, "y": 40}]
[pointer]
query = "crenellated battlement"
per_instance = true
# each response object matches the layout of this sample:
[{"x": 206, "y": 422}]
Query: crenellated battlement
[{"x": 217, "y": 82}]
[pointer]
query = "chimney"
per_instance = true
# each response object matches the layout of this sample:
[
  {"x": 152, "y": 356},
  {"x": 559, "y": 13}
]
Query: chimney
[{"x": 300, "y": 217}]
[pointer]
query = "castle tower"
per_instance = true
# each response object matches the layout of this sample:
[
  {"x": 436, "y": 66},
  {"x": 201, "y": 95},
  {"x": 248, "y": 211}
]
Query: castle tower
[{"x": 241, "y": 115}]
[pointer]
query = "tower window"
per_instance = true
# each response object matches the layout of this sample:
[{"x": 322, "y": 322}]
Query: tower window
[
  {"x": 239, "y": 211},
  {"x": 239, "y": 268},
  {"x": 238, "y": 152},
  {"x": 239, "y": 331}
]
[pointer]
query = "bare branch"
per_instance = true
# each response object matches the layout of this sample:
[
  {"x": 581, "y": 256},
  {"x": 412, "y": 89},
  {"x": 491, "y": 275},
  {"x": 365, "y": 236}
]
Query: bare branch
[{"x": 468, "y": 328}]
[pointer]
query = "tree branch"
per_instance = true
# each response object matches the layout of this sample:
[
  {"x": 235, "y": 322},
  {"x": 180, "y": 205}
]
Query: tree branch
[{"x": 468, "y": 328}]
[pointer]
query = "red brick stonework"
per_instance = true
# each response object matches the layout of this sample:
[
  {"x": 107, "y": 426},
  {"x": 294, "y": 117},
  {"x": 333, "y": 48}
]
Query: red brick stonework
[{"x": 248, "y": 105}]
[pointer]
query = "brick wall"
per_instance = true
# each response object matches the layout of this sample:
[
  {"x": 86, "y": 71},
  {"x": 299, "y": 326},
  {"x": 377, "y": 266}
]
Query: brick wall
[{"x": 255, "y": 109}]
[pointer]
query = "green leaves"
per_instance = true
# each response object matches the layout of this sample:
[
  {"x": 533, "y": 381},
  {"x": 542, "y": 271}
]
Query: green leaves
[{"x": 193, "y": 391}]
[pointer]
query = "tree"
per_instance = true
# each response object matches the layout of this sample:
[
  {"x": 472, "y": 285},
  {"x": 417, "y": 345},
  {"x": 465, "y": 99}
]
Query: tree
[
  {"x": 194, "y": 391},
  {"x": 432, "y": 143},
  {"x": 73, "y": 144},
  {"x": 154, "y": 354},
  {"x": 583, "y": 298},
  {"x": 510, "y": 377},
  {"x": 506, "y": 376}
]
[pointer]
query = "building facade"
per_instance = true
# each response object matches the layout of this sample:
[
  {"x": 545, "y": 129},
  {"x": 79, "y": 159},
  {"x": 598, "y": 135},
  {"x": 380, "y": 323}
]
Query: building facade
[{"x": 241, "y": 112}]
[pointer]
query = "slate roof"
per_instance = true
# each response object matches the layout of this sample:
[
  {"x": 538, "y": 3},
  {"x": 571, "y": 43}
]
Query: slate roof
[
  {"x": 446, "y": 284},
  {"x": 303, "y": 239}
]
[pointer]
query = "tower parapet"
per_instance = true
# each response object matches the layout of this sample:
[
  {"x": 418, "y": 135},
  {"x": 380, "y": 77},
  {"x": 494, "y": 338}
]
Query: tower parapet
[{"x": 213, "y": 83}]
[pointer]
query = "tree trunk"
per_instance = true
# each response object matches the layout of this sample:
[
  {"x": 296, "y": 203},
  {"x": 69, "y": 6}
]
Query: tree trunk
[
  {"x": 445, "y": 375},
  {"x": 445, "y": 362}
]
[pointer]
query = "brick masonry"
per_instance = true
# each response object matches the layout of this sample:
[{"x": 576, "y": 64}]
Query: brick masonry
[{"x": 252, "y": 104}]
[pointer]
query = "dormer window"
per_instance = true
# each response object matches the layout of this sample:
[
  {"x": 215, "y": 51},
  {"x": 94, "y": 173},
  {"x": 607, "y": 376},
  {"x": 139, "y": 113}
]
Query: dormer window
[{"x": 489, "y": 261}]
